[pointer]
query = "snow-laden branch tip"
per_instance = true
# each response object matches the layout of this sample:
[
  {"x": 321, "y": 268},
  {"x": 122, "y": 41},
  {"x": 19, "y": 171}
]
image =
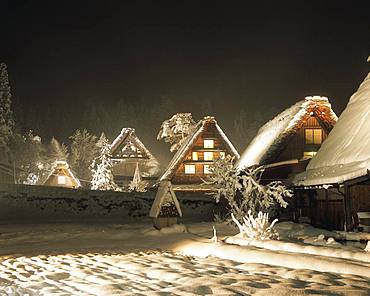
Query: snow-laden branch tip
[
  {"x": 176, "y": 129},
  {"x": 258, "y": 228}
]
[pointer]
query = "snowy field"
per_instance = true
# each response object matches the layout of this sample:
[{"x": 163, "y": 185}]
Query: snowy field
[{"x": 113, "y": 259}]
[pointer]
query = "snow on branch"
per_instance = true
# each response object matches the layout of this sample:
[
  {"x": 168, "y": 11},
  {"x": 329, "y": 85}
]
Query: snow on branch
[
  {"x": 243, "y": 190},
  {"x": 258, "y": 228},
  {"x": 176, "y": 129}
]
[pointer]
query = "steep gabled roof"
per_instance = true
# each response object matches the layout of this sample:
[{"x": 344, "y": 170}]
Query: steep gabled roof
[
  {"x": 345, "y": 154},
  {"x": 62, "y": 166},
  {"x": 165, "y": 194},
  {"x": 128, "y": 142},
  {"x": 272, "y": 137},
  {"x": 190, "y": 141}
]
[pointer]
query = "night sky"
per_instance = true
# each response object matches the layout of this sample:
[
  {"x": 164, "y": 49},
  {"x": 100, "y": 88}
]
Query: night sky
[{"x": 65, "y": 56}]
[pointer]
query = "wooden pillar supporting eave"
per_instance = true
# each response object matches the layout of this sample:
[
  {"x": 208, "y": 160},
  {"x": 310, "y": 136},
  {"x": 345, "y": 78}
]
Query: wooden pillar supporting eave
[{"x": 348, "y": 209}]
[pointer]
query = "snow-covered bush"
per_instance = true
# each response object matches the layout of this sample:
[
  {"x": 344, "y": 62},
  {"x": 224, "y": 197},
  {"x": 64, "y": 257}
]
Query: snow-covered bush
[
  {"x": 243, "y": 190},
  {"x": 257, "y": 228},
  {"x": 102, "y": 177},
  {"x": 367, "y": 248},
  {"x": 176, "y": 129}
]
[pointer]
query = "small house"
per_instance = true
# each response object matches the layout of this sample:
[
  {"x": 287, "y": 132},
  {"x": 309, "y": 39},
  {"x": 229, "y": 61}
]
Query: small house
[
  {"x": 287, "y": 143},
  {"x": 62, "y": 176},
  {"x": 195, "y": 157},
  {"x": 336, "y": 183},
  {"x": 128, "y": 152},
  {"x": 166, "y": 208}
]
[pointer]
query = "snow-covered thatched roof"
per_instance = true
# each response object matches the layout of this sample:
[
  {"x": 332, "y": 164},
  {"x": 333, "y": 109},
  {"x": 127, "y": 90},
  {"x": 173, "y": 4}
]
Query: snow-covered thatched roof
[
  {"x": 345, "y": 154},
  {"x": 61, "y": 168},
  {"x": 127, "y": 144},
  {"x": 272, "y": 137},
  {"x": 190, "y": 141}
]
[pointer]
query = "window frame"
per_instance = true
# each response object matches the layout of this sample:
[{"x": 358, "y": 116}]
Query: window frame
[
  {"x": 191, "y": 172},
  {"x": 312, "y": 137},
  {"x": 60, "y": 178},
  {"x": 206, "y": 170},
  {"x": 208, "y": 146},
  {"x": 210, "y": 156}
]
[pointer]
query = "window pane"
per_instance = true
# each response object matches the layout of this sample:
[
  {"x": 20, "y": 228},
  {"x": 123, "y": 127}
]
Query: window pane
[
  {"x": 309, "y": 154},
  {"x": 317, "y": 136},
  {"x": 62, "y": 180},
  {"x": 189, "y": 169},
  {"x": 309, "y": 136},
  {"x": 207, "y": 169},
  {"x": 209, "y": 144},
  {"x": 222, "y": 154},
  {"x": 208, "y": 155},
  {"x": 194, "y": 155}
]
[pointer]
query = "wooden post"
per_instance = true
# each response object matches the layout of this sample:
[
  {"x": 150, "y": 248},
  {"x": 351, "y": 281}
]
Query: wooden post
[
  {"x": 347, "y": 209},
  {"x": 327, "y": 220}
]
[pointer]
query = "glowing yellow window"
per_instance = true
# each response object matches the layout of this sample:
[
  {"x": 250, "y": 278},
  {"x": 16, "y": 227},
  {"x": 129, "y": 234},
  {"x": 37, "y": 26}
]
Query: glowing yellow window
[
  {"x": 208, "y": 155},
  {"x": 194, "y": 155},
  {"x": 189, "y": 169},
  {"x": 317, "y": 136},
  {"x": 62, "y": 180},
  {"x": 207, "y": 169},
  {"x": 309, "y": 154},
  {"x": 222, "y": 154},
  {"x": 313, "y": 136},
  {"x": 209, "y": 144}
]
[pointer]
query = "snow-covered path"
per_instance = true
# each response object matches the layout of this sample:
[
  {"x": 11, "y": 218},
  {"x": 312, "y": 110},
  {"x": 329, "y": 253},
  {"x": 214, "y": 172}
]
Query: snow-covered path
[
  {"x": 72, "y": 259},
  {"x": 164, "y": 273}
]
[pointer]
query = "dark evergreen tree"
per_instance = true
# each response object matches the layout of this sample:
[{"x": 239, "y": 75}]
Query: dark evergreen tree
[
  {"x": 83, "y": 151},
  {"x": 6, "y": 114}
]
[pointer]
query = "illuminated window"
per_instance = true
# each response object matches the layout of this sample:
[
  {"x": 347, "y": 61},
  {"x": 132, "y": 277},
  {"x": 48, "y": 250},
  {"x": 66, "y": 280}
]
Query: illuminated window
[
  {"x": 194, "y": 155},
  {"x": 222, "y": 154},
  {"x": 313, "y": 136},
  {"x": 62, "y": 180},
  {"x": 309, "y": 154},
  {"x": 209, "y": 144},
  {"x": 189, "y": 169},
  {"x": 208, "y": 155},
  {"x": 207, "y": 169}
]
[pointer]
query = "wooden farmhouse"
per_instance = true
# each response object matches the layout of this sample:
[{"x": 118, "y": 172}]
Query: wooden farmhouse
[
  {"x": 128, "y": 152},
  {"x": 195, "y": 157},
  {"x": 62, "y": 176},
  {"x": 334, "y": 190},
  {"x": 286, "y": 144}
]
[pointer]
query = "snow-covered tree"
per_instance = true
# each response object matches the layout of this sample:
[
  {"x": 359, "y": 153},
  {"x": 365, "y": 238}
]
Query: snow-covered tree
[
  {"x": 243, "y": 190},
  {"x": 176, "y": 129},
  {"x": 56, "y": 151},
  {"x": 102, "y": 177},
  {"x": 83, "y": 151},
  {"x": 6, "y": 114},
  {"x": 137, "y": 184},
  {"x": 28, "y": 155}
]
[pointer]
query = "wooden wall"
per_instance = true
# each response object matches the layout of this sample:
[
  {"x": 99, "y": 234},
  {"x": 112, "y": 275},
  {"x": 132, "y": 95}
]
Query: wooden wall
[
  {"x": 327, "y": 211},
  {"x": 297, "y": 144},
  {"x": 210, "y": 132}
]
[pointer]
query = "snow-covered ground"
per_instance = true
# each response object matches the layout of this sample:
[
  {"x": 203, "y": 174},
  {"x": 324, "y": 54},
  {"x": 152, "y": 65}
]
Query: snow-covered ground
[{"x": 135, "y": 259}]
